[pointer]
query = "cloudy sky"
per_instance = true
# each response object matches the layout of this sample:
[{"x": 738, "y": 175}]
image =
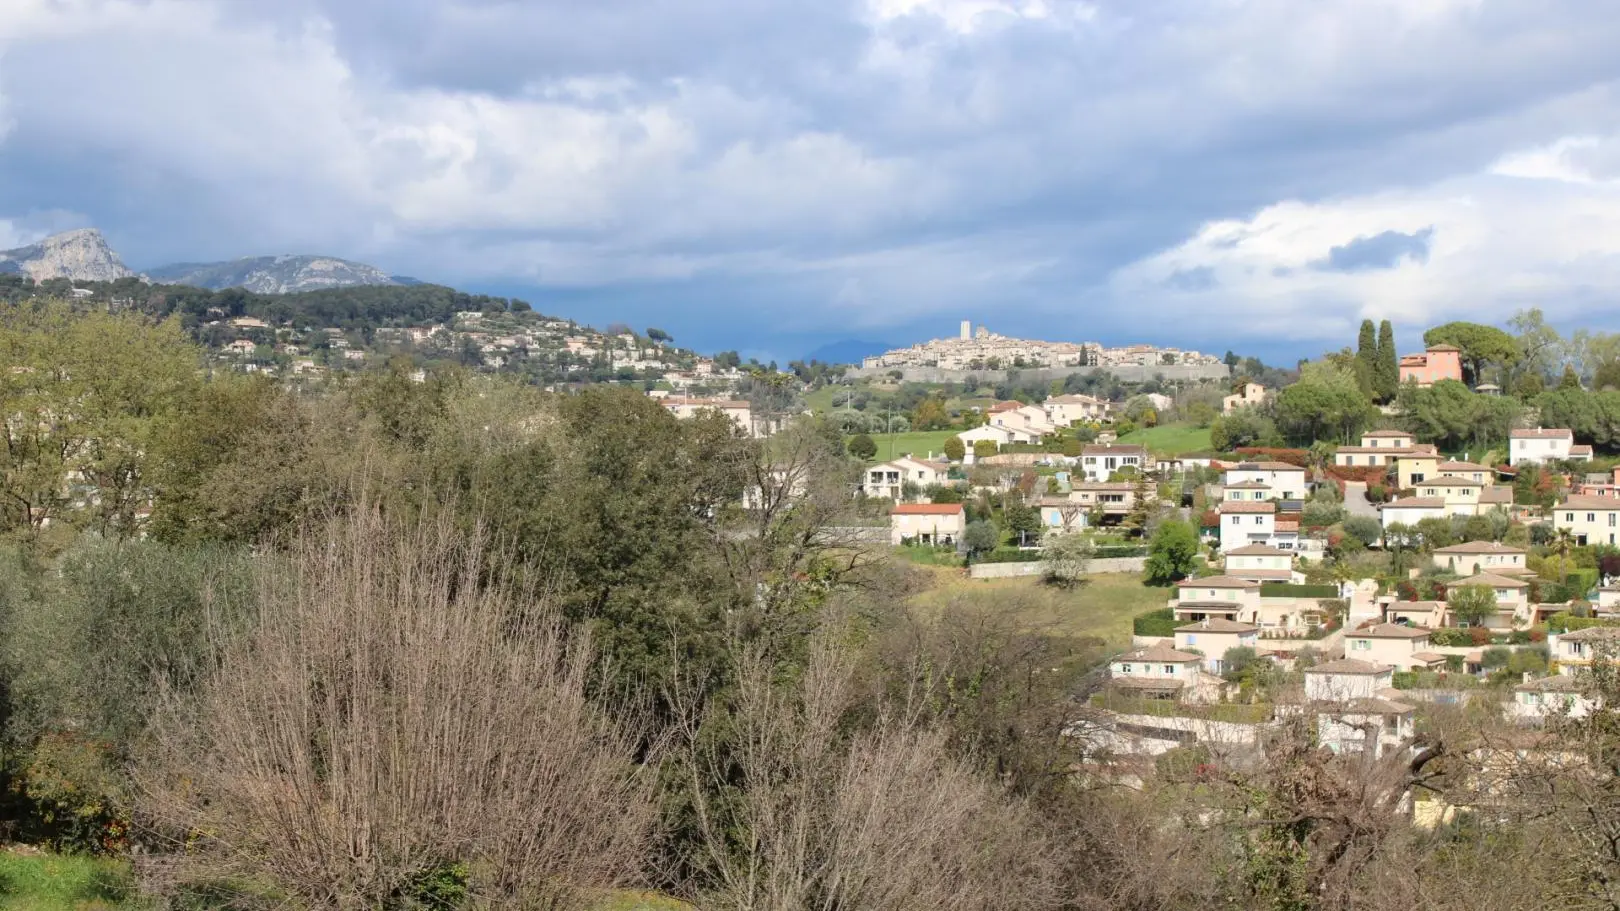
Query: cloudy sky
[{"x": 775, "y": 174}]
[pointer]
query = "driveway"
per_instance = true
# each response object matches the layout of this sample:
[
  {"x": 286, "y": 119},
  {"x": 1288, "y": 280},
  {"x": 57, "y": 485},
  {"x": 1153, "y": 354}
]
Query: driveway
[{"x": 1355, "y": 500}]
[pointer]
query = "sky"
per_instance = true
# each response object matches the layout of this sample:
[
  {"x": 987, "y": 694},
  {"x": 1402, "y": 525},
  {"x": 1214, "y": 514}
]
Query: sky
[{"x": 772, "y": 175}]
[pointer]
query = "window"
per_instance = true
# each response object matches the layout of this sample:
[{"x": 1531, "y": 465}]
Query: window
[
  {"x": 1611, "y": 519},
  {"x": 1170, "y": 669},
  {"x": 1569, "y": 517},
  {"x": 1259, "y": 520},
  {"x": 1591, "y": 517},
  {"x": 1360, "y": 645},
  {"x": 1236, "y": 519},
  {"x": 1124, "y": 668},
  {"x": 1192, "y": 640}
]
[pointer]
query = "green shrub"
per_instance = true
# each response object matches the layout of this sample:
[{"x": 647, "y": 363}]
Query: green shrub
[{"x": 1161, "y": 622}]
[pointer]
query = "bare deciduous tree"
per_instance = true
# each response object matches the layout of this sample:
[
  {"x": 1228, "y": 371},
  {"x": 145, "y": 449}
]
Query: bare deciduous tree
[
  {"x": 813, "y": 818},
  {"x": 393, "y": 714}
]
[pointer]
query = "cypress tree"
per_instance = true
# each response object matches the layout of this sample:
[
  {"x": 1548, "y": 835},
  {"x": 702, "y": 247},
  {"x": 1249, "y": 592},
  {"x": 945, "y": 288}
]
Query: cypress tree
[
  {"x": 1367, "y": 360},
  {"x": 1388, "y": 372}
]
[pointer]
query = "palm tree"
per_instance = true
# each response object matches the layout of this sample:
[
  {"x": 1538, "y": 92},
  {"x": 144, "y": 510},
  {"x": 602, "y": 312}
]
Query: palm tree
[{"x": 1563, "y": 541}]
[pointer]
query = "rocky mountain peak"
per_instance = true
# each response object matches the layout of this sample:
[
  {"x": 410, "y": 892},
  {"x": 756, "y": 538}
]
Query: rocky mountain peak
[{"x": 82, "y": 256}]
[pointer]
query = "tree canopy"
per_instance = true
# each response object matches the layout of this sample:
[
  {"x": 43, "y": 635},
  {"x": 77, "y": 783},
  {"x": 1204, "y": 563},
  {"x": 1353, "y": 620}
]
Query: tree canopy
[{"x": 1481, "y": 345}]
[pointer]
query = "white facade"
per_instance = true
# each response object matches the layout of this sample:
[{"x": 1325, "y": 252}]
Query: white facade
[
  {"x": 1535, "y": 446},
  {"x": 1285, "y": 481},
  {"x": 1243, "y": 524},
  {"x": 1098, "y": 462},
  {"x": 1592, "y": 520},
  {"x": 888, "y": 479}
]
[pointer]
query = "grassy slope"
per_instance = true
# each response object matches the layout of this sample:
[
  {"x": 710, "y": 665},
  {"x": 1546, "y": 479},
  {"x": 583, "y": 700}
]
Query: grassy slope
[
  {"x": 32, "y": 881},
  {"x": 1170, "y": 439},
  {"x": 47, "y": 882},
  {"x": 1103, "y": 607},
  {"x": 919, "y": 444}
]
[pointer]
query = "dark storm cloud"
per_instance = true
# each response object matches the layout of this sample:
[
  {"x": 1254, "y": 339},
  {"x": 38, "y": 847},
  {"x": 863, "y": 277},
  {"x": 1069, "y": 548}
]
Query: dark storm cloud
[{"x": 1379, "y": 251}]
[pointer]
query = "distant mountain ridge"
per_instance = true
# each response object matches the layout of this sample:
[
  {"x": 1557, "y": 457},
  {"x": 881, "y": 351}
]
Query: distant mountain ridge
[
  {"x": 81, "y": 255},
  {"x": 288, "y": 274}
]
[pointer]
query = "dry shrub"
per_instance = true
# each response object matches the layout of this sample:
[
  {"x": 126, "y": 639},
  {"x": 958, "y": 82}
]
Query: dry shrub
[
  {"x": 881, "y": 819},
  {"x": 396, "y": 722}
]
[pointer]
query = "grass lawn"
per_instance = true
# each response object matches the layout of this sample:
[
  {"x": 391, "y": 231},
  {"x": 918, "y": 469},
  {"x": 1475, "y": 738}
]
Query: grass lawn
[
  {"x": 1170, "y": 439},
  {"x": 48, "y": 882},
  {"x": 1103, "y": 607},
  {"x": 919, "y": 443}
]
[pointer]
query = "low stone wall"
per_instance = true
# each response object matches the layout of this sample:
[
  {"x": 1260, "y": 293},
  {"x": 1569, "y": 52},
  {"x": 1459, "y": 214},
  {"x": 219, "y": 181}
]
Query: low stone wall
[
  {"x": 1151, "y": 735},
  {"x": 1100, "y": 566}
]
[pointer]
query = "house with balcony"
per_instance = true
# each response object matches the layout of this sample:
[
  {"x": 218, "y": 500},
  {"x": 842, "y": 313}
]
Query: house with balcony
[
  {"x": 1543, "y": 445},
  {"x": 1163, "y": 672},
  {"x": 1404, "y": 648},
  {"x": 1097, "y": 462},
  {"x": 1216, "y": 597},
  {"x": 889, "y": 480},
  {"x": 1600, "y": 485},
  {"x": 1574, "y": 652}
]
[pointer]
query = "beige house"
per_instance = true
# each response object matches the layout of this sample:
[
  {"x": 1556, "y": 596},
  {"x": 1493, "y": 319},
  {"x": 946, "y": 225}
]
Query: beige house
[
  {"x": 1381, "y": 447},
  {"x": 1484, "y": 474},
  {"x": 1261, "y": 563},
  {"x": 1545, "y": 445},
  {"x": 929, "y": 524},
  {"x": 1001, "y": 436},
  {"x": 1425, "y": 614},
  {"x": 1243, "y": 524},
  {"x": 1461, "y": 495},
  {"x": 740, "y": 413},
  {"x": 1213, "y": 637},
  {"x": 1247, "y": 396},
  {"x": 889, "y": 479},
  {"x": 1377, "y": 725},
  {"x": 1412, "y": 470},
  {"x": 1029, "y": 420},
  {"x": 1481, "y": 556},
  {"x": 1344, "y": 679},
  {"x": 1065, "y": 410},
  {"x": 1560, "y": 695},
  {"x": 1159, "y": 671},
  {"x": 1098, "y": 462},
  {"x": 1403, "y": 647},
  {"x": 1217, "y": 597},
  {"x": 1412, "y": 510},
  {"x": 1284, "y": 481},
  {"x": 1592, "y": 520},
  {"x": 1574, "y": 652},
  {"x": 1512, "y": 599}
]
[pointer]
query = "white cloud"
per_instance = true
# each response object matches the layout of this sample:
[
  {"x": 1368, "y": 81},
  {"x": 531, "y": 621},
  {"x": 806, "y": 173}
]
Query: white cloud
[{"x": 1533, "y": 230}]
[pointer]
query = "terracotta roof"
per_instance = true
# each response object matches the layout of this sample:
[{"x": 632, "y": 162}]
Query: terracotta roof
[
  {"x": 1542, "y": 434},
  {"x": 1593, "y": 634},
  {"x": 1415, "y": 503},
  {"x": 1218, "y": 625},
  {"x": 1398, "y": 452},
  {"x": 1479, "y": 547},
  {"x": 1443, "y": 348},
  {"x": 927, "y": 509},
  {"x": 1208, "y": 607},
  {"x": 1162, "y": 653},
  {"x": 1113, "y": 450},
  {"x": 1265, "y": 466},
  {"x": 1557, "y": 683},
  {"x": 1217, "y": 582},
  {"x": 1001, "y": 407},
  {"x": 1494, "y": 581},
  {"x": 1580, "y": 449},
  {"x": 1259, "y": 550},
  {"x": 1383, "y": 434},
  {"x": 1499, "y": 495},
  {"x": 1103, "y": 485},
  {"x": 1392, "y": 630},
  {"x": 1429, "y": 657},
  {"x": 1464, "y": 466},
  {"x": 1451, "y": 481},
  {"x": 1268, "y": 575},
  {"x": 1349, "y": 666},
  {"x": 1587, "y": 502},
  {"x": 1267, "y": 507},
  {"x": 1249, "y": 485}
]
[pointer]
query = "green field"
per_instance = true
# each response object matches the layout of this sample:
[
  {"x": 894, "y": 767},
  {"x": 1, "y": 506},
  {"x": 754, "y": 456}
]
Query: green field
[
  {"x": 48, "y": 882},
  {"x": 919, "y": 443},
  {"x": 1103, "y": 607},
  {"x": 1170, "y": 439}
]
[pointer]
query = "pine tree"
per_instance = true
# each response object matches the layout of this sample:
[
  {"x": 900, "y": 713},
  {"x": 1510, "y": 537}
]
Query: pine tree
[
  {"x": 1367, "y": 360},
  {"x": 1388, "y": 372}
]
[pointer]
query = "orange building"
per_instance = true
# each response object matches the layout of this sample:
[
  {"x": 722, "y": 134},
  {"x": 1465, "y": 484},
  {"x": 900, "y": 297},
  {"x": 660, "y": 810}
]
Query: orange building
[{"x": 1439, "y": 362}]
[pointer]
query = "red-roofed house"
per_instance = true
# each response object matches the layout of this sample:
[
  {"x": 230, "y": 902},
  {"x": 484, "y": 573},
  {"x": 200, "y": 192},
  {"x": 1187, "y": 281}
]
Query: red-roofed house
[{"x": 931, "y": 524}]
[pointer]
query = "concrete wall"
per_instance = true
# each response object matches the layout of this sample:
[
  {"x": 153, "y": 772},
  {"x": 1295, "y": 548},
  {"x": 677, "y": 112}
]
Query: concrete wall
[
  {"x": 1033, "y": 568},
  {"x": 1151, "y": 735},
  {"x": 1128, "y": 374}
]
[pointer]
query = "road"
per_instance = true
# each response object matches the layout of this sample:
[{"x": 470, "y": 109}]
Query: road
[{"x": 1355, "y": 500}]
